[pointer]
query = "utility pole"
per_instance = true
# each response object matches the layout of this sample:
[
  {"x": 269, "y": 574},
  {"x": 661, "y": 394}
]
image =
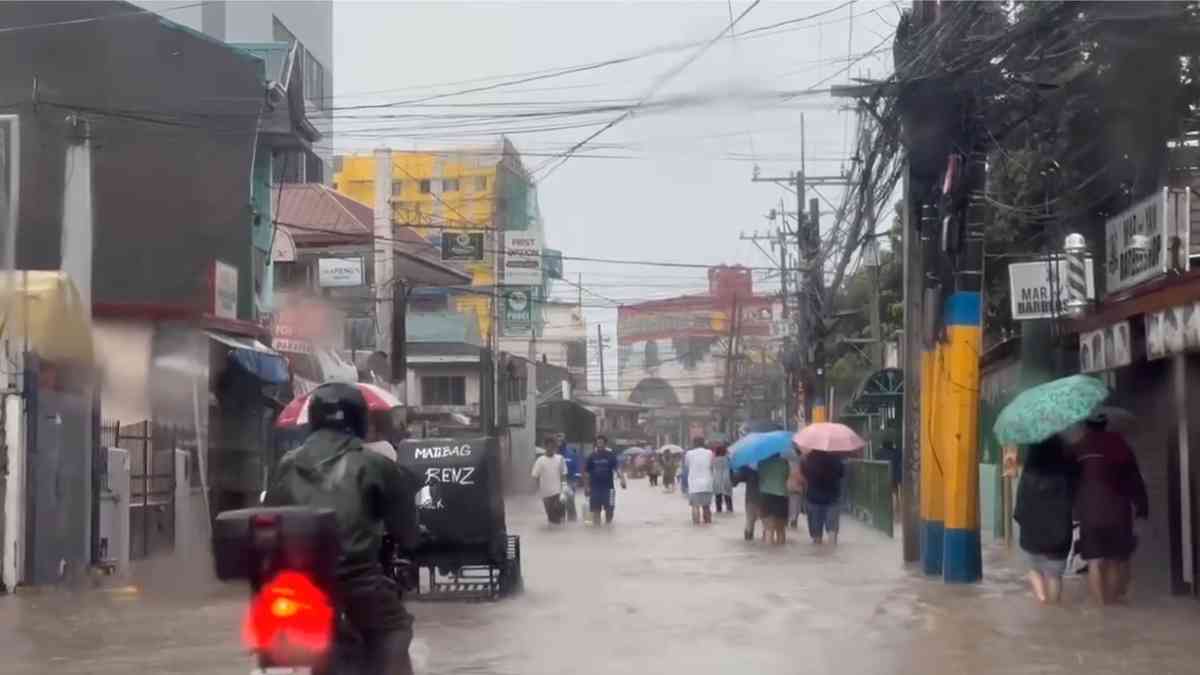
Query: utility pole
[
  {"x": 810, "y": 290},
  {"x": 600, "y": 351},
  {"x": 731, "y": 353},
  {"x": 779, "y": 238}
]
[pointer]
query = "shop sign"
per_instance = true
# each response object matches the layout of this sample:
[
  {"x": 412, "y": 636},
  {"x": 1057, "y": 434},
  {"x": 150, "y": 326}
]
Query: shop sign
[
  {"x": 522, "y": 259},
  {"x": 1105, "y": 348},
  {"x": 517, "y": 312},
  {"x": 225, "y": 290},
  {"x": 462, "y": 246},
  {"x": 1031, "y": 286},
  {"x": 1173, "y": 331},
  {"x": 1161, "y": 223},
  {"x": 340, "y": 272}
]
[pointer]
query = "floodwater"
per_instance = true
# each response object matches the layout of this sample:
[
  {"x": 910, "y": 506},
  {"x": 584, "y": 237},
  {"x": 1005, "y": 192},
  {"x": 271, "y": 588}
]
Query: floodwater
[{"x": 653, "y": 594}]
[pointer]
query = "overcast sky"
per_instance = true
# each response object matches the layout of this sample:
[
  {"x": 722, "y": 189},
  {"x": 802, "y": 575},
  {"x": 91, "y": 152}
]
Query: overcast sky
[{"x": 670, "y": 184}]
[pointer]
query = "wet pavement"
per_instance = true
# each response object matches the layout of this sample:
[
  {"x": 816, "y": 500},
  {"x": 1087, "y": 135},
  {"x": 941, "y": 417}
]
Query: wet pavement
[{"x": 653, "y": 594}]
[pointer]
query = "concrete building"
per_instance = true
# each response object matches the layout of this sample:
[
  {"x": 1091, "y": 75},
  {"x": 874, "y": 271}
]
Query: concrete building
[
  {"x": 563, "y": 341},
  {"x": 248, "y": 23},
  {"x": 672, "y": 353},
  {"x": 471, "y": 205}
]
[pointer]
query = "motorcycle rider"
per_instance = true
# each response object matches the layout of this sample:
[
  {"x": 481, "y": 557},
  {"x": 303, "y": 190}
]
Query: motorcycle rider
[{"x": 372, "y": 496}]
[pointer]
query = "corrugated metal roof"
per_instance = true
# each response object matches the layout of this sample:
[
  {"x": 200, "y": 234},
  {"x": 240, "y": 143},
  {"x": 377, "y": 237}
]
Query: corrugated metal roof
[{"x": 316, "y": 215}]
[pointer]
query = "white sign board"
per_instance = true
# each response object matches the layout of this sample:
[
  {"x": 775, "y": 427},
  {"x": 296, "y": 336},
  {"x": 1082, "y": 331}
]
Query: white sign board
[
  {"x": 1163, "y": 220},
  {"x": 1030, "y": 287},
  {"x": 1173, "y": 331},
  {"x": 225, "y": 290},
  {"x": 522, "y": 259},
  {"x": 1105, "y": 348},
  {"x": 340, "y": 272}
]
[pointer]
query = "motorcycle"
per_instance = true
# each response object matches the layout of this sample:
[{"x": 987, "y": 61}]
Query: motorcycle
[{"x": 288, "y": 555}]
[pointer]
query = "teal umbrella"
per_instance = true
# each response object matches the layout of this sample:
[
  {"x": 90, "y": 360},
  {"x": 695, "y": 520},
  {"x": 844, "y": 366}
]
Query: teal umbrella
[{"x": 1042, "y": 411}]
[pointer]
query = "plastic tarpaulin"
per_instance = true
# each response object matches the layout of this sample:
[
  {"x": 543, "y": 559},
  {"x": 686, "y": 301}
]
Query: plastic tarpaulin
[
  {"x": 256, "y": 358},
  {"x": 468, "y": 506}
]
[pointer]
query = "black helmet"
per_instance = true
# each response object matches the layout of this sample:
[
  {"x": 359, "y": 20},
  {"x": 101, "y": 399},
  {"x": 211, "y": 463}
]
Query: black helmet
[{"x": 340, "y": 407}]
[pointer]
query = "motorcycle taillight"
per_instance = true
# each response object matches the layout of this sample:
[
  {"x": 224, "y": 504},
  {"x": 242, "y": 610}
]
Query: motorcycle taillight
[{"x": 290, "y": 619}]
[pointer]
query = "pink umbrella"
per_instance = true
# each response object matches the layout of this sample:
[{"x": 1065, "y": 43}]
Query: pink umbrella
[
  {"x": 296, "y": 412},
  {"x": 828, "y": 437}
]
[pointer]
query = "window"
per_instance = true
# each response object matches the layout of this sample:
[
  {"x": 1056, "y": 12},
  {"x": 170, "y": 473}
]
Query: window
[
  {"x": 480, "y": 183},
  {"x": 702, "y": 394},
  {"x": 651, "y": 356},
  {"x": 397, "y": 187},
  {"x": 517, "y": 388},
  {"x": 444, "y": 390},
  {"x": 450, "y": 185},
  {"x": 314, "y": 80},
  {"x": 577, "y": 354},
  {"x": 426, "y": 186}
]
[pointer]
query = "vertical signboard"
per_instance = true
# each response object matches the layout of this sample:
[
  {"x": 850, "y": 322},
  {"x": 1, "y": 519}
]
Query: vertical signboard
[
  {"x": 522, "y": 259},
  {"x": 517, "y": 312},
  {"x": 225, "y": 290}
]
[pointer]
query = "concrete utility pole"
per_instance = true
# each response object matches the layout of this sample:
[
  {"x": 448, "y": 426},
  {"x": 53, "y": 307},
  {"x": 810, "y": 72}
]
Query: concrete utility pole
[
  {"x": 811, "y": 281},
  {"x": 780, "y": 239}
]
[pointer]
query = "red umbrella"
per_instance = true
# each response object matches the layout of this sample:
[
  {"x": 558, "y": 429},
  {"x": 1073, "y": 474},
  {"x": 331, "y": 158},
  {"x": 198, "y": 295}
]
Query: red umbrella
[{"x": 296, "y": 412}]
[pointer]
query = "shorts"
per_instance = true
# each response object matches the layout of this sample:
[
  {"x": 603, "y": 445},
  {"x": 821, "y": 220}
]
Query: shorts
[
  {"x": 773, "y": 506},
  {"x": 1046, "y": 565},
  {"x": 700, "y": 498},
  {"x": 603, "y": 499},
  {"x": 1106, "y": 543}
]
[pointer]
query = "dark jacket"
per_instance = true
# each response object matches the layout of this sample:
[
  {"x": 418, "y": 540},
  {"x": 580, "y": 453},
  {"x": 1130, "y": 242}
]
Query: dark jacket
[
  {"x": 823, "y": 472},
  {"x": 370, "y": 494},
  {"x": 1045, "y": 500}
]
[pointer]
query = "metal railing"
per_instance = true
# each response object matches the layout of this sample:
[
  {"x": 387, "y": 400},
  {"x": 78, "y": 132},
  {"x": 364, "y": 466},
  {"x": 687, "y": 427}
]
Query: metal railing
[{"x": 869, "y": 493}]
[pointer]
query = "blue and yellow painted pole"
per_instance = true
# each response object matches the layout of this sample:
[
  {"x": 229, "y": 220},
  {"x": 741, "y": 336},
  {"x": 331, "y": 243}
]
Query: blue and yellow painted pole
[
  {"x": 932, "y": 500},
  {"x": 962, "y": 561}
]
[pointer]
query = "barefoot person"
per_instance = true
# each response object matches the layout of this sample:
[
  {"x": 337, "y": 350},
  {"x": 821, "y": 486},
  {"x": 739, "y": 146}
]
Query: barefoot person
[
  {"x": 698, "y": 471},
  {"x": 549, "y": 472},
  {"x": 1045, "y": 501}
]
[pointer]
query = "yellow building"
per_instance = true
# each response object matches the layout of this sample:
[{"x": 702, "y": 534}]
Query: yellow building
[{"x": 478, "y": 190}]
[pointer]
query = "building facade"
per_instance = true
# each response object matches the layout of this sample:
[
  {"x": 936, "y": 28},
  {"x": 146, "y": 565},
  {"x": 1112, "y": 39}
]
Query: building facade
[
  {"x": 308, "y": 24},
  {"x": 672, "y": 354}
]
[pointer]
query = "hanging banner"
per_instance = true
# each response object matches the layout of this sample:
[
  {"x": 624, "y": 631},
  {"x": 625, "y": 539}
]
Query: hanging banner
[
  {"x": 517, "y": 312},
  {"x": 1105, "y": 348},
  {"x": 1030, "y": 287},
  {"x": 1173, "y": 331},
  {"x": 1161, "y": 222}
]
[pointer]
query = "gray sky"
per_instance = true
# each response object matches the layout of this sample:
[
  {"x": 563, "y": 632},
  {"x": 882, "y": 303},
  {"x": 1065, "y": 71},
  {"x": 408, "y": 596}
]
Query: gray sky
[{"x": 670, "y": 184}]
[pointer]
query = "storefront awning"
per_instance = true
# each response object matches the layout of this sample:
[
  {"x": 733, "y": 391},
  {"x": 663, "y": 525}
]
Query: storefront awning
[{"x": 255, "y": 357}]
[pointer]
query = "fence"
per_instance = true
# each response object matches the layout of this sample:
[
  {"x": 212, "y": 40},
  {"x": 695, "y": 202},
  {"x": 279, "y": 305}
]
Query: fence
[
  {"x": 152, "y": 477},
  {"x": 869, "y": 493}
]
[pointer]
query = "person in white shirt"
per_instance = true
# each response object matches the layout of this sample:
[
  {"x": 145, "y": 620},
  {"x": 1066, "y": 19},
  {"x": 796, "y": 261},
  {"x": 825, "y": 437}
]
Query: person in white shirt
[
  {"x": 697, "y": 466},
  {"x": 549, "y": 470}
]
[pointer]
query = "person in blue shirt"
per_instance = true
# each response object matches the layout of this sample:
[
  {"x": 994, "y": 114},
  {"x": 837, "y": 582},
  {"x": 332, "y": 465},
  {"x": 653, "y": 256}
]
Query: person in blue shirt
[{"x": 599, "y": 471}]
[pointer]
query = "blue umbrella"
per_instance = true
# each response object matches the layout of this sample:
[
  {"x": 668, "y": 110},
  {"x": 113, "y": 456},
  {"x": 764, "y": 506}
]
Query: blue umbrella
[{"x": 754, "y": 448}]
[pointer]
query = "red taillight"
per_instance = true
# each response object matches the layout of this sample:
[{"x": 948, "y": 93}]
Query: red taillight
[{"x": 291, "y": 617}]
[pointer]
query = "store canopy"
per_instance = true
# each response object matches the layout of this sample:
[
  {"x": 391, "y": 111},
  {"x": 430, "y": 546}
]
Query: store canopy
[
  {"x": 42, "y": 309},
  {"x": 254, "y": 357}
]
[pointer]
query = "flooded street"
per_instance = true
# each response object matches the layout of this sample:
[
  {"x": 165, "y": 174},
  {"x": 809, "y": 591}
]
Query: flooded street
[{"x": 654, "y": 594}]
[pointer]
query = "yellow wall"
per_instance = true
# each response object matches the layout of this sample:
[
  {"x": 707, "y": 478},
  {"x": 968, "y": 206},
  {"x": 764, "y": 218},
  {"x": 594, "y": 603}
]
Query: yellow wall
[{"x": 471, "y": 207}]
